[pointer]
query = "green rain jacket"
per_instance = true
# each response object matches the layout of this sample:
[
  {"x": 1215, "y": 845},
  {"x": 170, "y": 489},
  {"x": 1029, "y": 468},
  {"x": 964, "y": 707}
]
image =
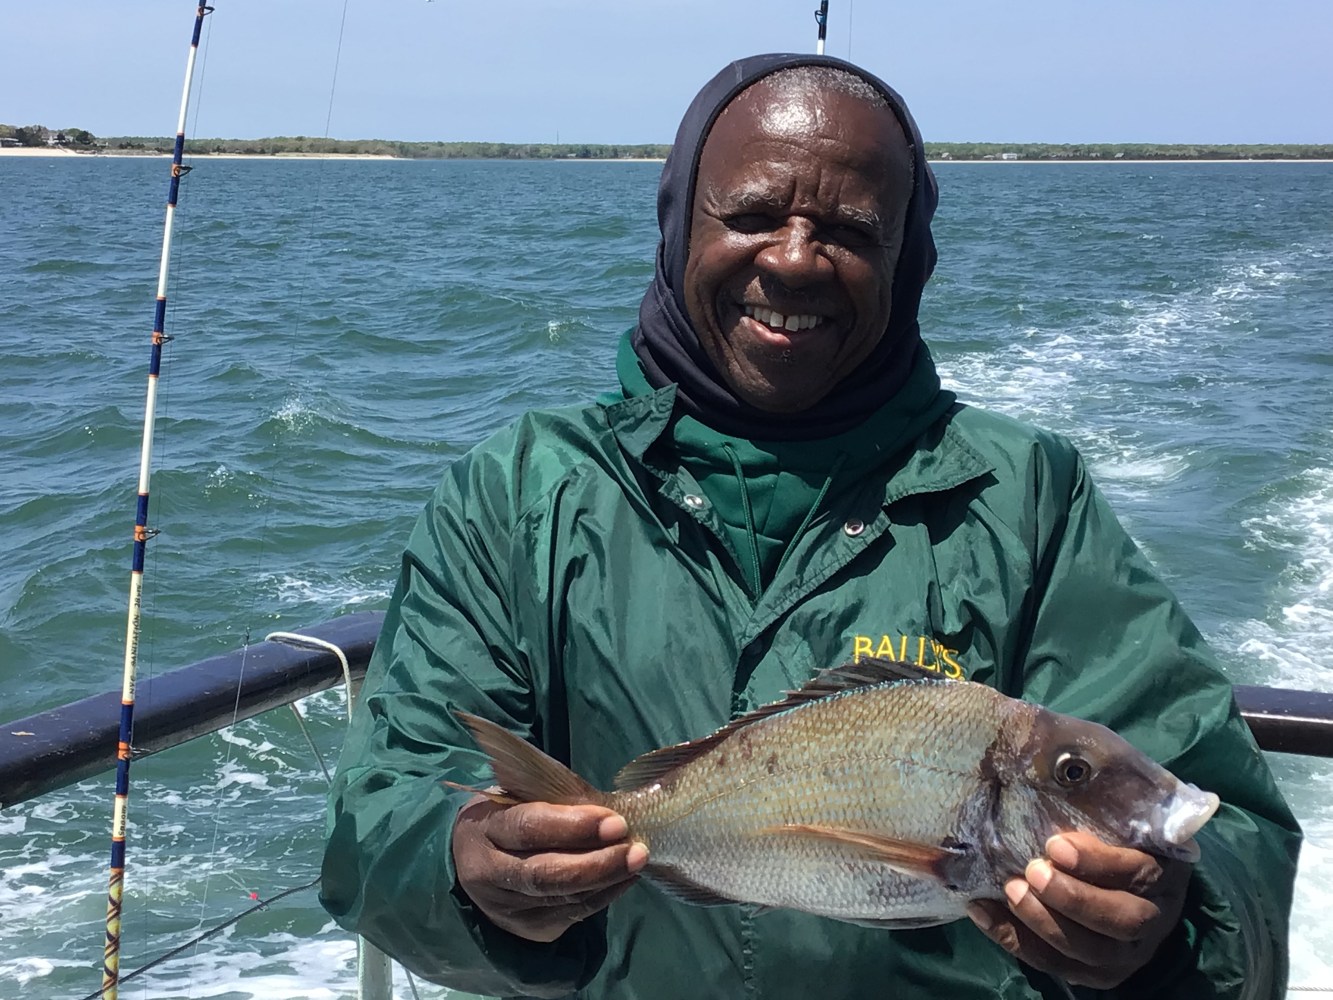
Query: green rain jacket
[{"x": 571, "y": 580}]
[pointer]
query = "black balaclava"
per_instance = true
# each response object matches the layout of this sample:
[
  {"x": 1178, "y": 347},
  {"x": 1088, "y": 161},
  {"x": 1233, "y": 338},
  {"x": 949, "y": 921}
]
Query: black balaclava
[{"x": 666, "y": 344}]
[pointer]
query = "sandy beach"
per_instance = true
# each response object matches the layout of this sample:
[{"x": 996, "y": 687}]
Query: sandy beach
[
  {"x": 36, "y": 151},
  {"x": 126, "y": 154}
]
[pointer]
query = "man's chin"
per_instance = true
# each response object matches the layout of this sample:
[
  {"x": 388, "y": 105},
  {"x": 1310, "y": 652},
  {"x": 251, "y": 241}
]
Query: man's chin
[{"x": 777, "y": 398}]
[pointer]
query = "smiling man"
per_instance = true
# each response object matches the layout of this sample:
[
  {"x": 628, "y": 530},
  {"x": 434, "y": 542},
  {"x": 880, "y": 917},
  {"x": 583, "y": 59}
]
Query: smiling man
[
  {"x": 780, "y": 485},
  {"x": 799, "y": 205}
]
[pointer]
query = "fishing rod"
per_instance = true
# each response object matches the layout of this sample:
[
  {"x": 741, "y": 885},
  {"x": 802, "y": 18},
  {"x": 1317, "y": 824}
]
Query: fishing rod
[
  {"x": 142, "y": 533},
  {"x": 821, "y": 19}
]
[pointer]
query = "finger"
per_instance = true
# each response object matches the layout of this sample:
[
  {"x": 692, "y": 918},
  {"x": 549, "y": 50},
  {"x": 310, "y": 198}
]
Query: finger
[
  {"x": 578, "y": 906},
  {"x": 1091, "y": 860},
  {"x": 1110, "y": 913},
  {"x": 1019, "y": 940},
  {"x": 1085, "y": 944},
  {"x": 546, "y": 923},
  {"x": 540, "y": 826},
  {"x": 562, "y": 874}
]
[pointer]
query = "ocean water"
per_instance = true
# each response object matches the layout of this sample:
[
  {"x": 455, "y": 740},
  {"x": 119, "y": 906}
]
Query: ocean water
[{"x": 344, "y": 329}]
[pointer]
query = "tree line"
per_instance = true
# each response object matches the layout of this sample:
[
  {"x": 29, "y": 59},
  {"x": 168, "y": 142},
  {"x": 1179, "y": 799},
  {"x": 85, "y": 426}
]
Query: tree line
[
  {"x": 307, "y": 145},
  {"x": 1126, "y": 151},
  {"x": 40, "y": 135},
  {"x": 81, "y": 139}
]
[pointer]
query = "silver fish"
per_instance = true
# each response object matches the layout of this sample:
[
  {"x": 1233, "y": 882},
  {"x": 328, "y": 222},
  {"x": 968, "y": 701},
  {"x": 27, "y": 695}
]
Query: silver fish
[{"x": 877, "y": 794}]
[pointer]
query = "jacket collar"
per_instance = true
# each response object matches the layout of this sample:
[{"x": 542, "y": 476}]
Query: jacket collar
[
  {"x": 941, "y": 459},
  {"x": 639, "y": 415}
]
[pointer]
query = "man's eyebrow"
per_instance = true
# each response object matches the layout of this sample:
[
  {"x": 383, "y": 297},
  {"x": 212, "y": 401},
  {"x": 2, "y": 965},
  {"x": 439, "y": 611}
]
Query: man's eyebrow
[
  {"x": 758, "y": 198},
  {"x": 747, "y": 198},
  {"x": 861, "y": 216}
]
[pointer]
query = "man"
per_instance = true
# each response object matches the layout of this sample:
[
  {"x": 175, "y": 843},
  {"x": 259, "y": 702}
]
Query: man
[{"x": 780, "y": 486}]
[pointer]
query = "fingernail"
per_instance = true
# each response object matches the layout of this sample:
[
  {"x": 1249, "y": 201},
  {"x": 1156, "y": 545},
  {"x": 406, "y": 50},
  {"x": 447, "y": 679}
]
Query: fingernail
[
  {"x": 637, "y": 856},
  {"x": 1062, "y": 852},
  {"x": 1039, "y": 874},
  {"x": 1014, "y": 890},
  {"x": 980, "y": 917},
  {"x": 612, "y": 828}
]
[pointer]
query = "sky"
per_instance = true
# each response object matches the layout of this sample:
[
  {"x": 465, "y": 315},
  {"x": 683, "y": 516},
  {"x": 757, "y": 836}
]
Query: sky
[{"x": 623, "y": 71}]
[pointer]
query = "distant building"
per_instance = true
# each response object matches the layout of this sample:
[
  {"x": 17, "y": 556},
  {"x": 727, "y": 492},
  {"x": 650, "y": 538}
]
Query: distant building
[
  {"x": 1009, "y": 156},
  {"x": 7, "y": 142}
]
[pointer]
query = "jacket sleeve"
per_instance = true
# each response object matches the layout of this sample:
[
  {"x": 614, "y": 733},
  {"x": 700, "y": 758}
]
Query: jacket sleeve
[
  {"x": 447, "y": 643},
  {"x": 1110, "y": 643}
]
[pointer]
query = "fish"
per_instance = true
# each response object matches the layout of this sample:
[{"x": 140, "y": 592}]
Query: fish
[{"x": 878, "y": 794}]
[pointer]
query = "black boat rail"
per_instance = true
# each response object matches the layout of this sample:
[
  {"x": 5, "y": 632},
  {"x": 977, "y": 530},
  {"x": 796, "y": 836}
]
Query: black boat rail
[
  {"x": 65, "y": 745},
  {"x": 68, "y": 744}
]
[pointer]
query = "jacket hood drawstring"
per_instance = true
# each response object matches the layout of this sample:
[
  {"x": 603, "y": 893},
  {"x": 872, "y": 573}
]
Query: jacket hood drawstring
[
  {"x": 749, "y": 516},
  {"x": 747, "y": 511},
  {"x": 838, "y": 463}
]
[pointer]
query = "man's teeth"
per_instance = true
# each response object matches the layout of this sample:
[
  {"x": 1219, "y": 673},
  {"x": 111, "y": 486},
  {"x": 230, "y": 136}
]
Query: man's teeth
[{"x": 774, "y": 319}]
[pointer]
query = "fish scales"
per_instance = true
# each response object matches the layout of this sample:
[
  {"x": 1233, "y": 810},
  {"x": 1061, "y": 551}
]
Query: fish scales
[
  {"x": 902, "y": 760},
  {"x": 878, "y": 793}
]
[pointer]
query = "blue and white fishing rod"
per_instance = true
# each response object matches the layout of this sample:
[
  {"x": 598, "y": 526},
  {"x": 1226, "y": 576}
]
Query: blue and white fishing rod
[
  {"x": 115, "y": 892},
  {"x": 821, "y": 19}
]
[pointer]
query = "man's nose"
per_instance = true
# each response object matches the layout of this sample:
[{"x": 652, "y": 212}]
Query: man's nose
[{"x": 796, "y": 256}]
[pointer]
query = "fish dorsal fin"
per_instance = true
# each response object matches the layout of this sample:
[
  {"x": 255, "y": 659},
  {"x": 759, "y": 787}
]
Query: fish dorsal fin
[
  {"x": 655, "y": 765},
  {"x": 650, "y": 768},
  {"x": 872, "y": 670}
]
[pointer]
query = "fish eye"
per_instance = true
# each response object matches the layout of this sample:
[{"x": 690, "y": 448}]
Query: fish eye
[{"x": 1071, "y": 769}]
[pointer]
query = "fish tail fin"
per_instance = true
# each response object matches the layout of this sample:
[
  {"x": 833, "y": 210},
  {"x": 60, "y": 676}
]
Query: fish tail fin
[{"x": 526, "y": 774}]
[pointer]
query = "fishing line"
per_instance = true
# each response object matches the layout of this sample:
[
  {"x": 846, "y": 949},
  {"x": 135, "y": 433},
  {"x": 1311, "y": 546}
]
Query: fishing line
[
  {"x": 203, "y": 76},
  {"x": 211, "y": 932},
  {"x": 141, "y": 557},
  {"x": 180, "y": 277},
  {"x": 272, "y": 477}
]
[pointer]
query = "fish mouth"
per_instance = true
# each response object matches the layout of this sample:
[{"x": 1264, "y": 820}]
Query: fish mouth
[{"x": 1181, "y": 816}]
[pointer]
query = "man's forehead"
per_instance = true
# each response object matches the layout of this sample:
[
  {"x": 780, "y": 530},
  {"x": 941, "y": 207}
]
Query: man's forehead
[
  {"x": 782, "y": 105},
  {"x": 739, "y": 166},
  {"x": 786, "y": 113}
]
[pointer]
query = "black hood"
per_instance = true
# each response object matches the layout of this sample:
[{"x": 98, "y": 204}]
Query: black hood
[{"x": 665, "y": 342}]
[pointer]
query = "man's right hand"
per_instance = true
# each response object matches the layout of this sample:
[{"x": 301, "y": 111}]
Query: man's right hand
[{"x": 536, "y": 869}]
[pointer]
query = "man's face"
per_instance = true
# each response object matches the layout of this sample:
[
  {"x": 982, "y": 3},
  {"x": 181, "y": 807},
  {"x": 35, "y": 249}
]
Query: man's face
[{"x": 797, "y": 222}]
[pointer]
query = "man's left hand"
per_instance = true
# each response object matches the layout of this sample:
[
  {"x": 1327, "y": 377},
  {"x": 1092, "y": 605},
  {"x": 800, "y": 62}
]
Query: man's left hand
[{"x": 1092, "y": 914}]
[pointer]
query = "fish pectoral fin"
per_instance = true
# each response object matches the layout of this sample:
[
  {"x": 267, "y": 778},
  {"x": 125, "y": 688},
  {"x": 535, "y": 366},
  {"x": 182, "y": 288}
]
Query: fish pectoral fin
[{"x": 909, "y": 857}]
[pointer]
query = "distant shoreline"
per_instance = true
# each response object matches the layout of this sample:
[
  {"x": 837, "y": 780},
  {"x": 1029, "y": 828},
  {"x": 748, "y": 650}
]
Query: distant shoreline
[
  {"x": 122, "y": 154},
  {"x": 1160, "y": 159},
  {"x": 125, "y": 155},
  {"x": 54, "y": 153}
]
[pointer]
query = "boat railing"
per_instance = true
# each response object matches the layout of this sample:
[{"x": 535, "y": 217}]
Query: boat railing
[{"x": 65, "y": 745}]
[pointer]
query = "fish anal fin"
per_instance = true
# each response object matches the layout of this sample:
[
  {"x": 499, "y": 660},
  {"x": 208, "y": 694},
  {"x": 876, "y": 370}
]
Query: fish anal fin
[
  {"x": 677, "y": 885},
  {"x": 901, "y": 923},
  {"x": 911, "y": 858}
]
